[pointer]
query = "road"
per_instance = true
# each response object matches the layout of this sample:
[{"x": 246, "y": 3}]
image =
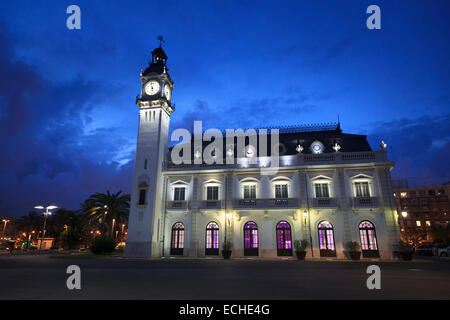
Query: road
[{"x": 42, "y": 277}]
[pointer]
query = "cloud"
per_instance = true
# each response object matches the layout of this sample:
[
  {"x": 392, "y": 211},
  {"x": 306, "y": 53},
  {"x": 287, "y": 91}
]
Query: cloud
[
  {"x": 252, "y": 113},
  {"x": 47, "y": 155},
  {"x": 420, "y": 147}
]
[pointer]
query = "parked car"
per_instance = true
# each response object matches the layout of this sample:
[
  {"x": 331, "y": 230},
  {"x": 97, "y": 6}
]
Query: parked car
[
  {"x": 425, "y": 249},
  {"x": 441, "y": 251}
]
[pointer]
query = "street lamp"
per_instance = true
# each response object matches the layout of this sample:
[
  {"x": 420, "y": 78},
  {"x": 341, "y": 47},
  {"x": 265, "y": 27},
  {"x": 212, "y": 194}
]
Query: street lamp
[
  {"x": 4, "y": 227},
  {"x": 404, "y": 214},
  {"x": 306, "y": 215},
  {"x": 46, "y": 214}
]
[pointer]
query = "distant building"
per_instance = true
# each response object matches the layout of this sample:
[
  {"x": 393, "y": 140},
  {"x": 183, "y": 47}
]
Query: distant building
[
  {"x": 399, "y": 184},
  {"x": 47, "y": 243},
  {"x": 423, "y": 207}
]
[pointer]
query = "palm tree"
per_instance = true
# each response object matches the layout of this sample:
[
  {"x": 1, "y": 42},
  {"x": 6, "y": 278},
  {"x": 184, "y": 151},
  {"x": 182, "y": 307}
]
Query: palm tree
[
  {"x": 68, "y": 227},
  {"x": 108, "y": 209},
  {"x": 27, "y": 223}
]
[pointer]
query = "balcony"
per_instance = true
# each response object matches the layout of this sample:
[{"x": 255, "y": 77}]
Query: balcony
[
  {"x": 324, "y": 202},
  {"x": 211, "y": 204},
  {"x": 183, "y": 205},
  {"x": 365, "y": 202},
  {"x": 266, "y": 203}
]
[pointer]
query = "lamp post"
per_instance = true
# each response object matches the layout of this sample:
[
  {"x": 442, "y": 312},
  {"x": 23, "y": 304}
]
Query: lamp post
[
  {"x": 46, "y": 214},
  {"x": 4, "y": 227},
  {"x": 306, "y": 215},
  {"x": 405, "y": 215},
  {"x": 121, "y": 232}
]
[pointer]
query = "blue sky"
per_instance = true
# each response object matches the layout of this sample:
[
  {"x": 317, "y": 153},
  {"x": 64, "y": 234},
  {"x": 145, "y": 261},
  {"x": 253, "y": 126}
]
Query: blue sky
[{"x": 68, "y": 121}]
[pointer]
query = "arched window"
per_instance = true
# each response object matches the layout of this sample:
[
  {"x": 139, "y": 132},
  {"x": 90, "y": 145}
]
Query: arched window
[
  {"x": 250, "y": 239},
  {"x": 326, "y": 239},
  {"x": 284, "y": 239},
  {"x": 368, "y": 236},
  {"x": 212, "y": 239},
  {"x": 177, "y": 242}
]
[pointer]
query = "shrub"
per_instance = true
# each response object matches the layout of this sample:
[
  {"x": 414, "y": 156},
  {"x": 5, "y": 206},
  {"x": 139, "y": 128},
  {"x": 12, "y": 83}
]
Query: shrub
[
  {"x": 404, "y": 247},
  {"x": 226, "y": 246},
  {"x": 353, "y": 246},
  {"x": 103, "y": 244},
  {"x": 301, "y": 245}
]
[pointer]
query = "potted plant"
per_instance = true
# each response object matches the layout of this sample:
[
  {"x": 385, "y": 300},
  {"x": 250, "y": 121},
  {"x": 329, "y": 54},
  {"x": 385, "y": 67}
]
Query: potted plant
[
  {"x": 300, "y": 248},
  {"x": 405, "y": 251},
  {"x": 353, "y": 248},
  {"x": 226, "y": 249}
]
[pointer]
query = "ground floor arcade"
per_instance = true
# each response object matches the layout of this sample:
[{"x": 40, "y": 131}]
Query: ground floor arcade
[{"x": 272, "y": 234}]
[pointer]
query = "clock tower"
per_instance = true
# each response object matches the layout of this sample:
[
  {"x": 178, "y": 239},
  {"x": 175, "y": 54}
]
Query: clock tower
[{"x": 155, "y": 108}]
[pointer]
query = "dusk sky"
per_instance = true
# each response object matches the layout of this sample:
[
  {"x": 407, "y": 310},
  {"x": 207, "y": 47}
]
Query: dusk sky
[{"x": 68, "y": 119}]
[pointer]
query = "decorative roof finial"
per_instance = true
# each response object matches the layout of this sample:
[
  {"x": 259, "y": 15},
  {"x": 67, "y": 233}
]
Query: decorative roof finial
[
  {"x": 161, "y": 40},
  {"x": 336, "y": 147}
]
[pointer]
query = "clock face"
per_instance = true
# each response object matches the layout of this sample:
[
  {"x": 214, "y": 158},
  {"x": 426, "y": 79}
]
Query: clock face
[
  {"x": 152, "y": 88},
  {"x": 317, "y": 147},
  {"x": 167, "y": 92}
]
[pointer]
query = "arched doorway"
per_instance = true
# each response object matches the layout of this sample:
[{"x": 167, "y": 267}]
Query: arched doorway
[
  {"x": 251, "y": 239},
  {"x": 369, "y": 246},
  {"x": 326, "y": 239},
  {"x": 284, "y": 239},
  {"x": 212, "y": 239},
  {"x": 177, "y": 240}
]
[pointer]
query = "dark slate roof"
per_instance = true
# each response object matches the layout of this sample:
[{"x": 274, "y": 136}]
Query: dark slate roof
[
  {"x": 291, "y": 137},
  {"x": 157, "y": 68}
]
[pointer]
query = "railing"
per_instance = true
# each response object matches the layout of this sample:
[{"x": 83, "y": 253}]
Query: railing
[
  {"x": 288, "y": 161},
  {"x": 324, "y": 202},
  {"x": 177, "y": 205},
  {"x": 368, "y": 202},
  {"x": 266, "y": 203},
  {"x": 211, "y": 204}
]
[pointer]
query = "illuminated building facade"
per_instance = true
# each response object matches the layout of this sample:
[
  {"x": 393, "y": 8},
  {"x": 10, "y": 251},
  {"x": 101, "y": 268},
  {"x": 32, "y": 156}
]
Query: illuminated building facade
[{"x": 329, "y": 188}]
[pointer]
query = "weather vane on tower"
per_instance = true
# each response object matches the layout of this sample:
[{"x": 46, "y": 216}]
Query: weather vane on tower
[{"x": 161, "y": 40}]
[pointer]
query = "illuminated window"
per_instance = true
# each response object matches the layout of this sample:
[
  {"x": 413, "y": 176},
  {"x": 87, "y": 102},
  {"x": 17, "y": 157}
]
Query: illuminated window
[
  {"x": 177, "y": 243},
  {"x": 403, "y": 194},
  {"x": 212, "y": 193},
  {"x": 418, "y": 223},
  {"x": 428, "y": 223},
  {"x": 368, "y": 236},
  {"x": 326, "y": 239},
  {"x": 179, "y": 193},
  {"x": 284, "y": 239},
  {"x": 250, "y": 239},
  {"x": 322, "y": 190},
  {"x": 250, "y": 191},
  {"x": 362, "y": 189},
  {"x": 212, "y": 239},
  {"x": 281, "y": 191}
]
